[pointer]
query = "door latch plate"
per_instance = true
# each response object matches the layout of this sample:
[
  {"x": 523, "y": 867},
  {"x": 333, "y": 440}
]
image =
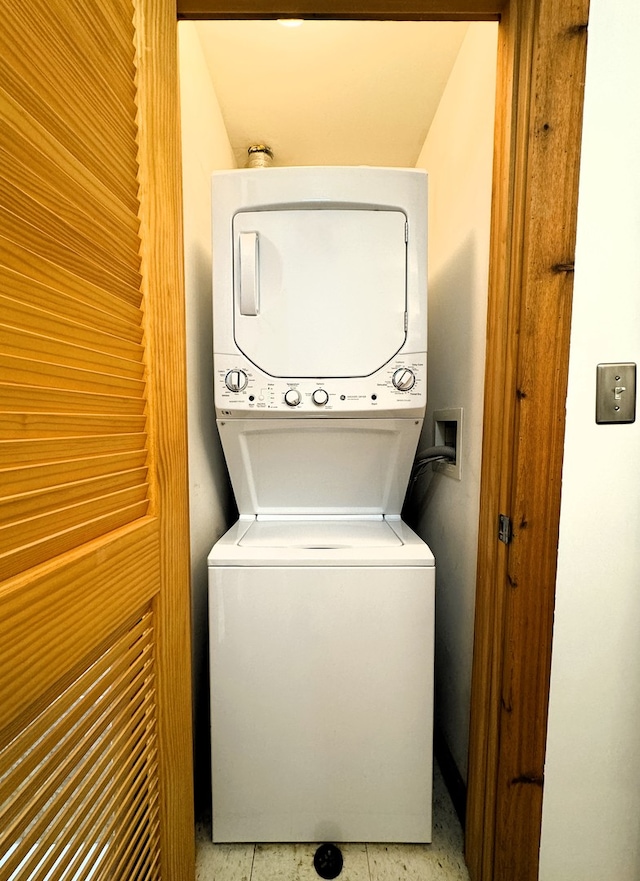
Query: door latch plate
[{"x": 505, "y": 532}]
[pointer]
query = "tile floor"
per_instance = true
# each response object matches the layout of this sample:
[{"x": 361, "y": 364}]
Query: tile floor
[{"x": 440, "y": 861}]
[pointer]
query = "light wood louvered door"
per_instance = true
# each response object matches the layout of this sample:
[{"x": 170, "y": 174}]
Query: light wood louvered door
[{"x": 95, "y": 720}]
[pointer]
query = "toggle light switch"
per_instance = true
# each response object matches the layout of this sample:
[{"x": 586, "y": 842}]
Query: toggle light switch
[{"x": 616, "y": 393}]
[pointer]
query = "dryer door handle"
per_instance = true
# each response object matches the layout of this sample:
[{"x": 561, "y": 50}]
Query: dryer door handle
[{"x": 249, "y": 290}]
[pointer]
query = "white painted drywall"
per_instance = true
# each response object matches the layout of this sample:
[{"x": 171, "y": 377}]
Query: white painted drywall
[
  {"x": 591, "y": 806},
  {"x": 205, "y": 147},
  {"x": 458, "y": 154}
]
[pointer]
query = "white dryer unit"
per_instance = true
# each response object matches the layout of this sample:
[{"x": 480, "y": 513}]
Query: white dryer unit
[{"x": 321, "y": 598}]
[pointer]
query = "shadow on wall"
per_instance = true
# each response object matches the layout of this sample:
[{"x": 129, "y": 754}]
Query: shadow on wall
[
  {"x": 445, "y": 511},
  {"x": 211, "y": 503}
]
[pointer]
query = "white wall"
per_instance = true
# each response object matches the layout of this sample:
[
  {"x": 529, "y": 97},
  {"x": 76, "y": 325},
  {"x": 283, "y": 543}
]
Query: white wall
[
  {"x": 591, "y": 808},
  {"x": 205, "y": 147},
  {"x": 458, "y": 155}
]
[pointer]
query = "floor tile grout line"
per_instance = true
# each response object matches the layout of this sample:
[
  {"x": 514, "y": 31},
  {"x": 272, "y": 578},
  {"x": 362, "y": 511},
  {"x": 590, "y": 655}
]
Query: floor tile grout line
[
  {"x": 366, "y": 850},
  {"x": 253, "y": 859}
]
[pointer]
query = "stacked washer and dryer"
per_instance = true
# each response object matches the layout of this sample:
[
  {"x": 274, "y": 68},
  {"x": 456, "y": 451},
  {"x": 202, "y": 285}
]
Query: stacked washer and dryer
[{"x": 321, "y": 599}]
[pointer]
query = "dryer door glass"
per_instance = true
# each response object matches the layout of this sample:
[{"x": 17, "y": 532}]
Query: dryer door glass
[{"x": 319, "y": 292}]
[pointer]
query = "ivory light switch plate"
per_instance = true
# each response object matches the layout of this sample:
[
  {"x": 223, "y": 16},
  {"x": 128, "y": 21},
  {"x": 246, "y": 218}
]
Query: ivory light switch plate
[{"x": 616, "y": 393}]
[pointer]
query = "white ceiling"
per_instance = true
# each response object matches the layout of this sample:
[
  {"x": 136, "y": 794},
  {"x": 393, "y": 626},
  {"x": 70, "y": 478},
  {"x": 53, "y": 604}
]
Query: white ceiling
[{"x": 330, "y": 92}]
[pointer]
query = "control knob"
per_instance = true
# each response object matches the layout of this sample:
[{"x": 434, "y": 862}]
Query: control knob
[
  {"x": 320, "y": 397},
  {"x": 236, "y": 380},
  {"x": 292, "y": 397},
  {"x": 404, "y": 379}
]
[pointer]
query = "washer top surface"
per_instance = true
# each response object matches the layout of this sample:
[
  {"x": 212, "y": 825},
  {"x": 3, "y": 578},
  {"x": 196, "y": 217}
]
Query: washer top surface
[
  {"x": 320, "y": 534},
  {"x": 320, "y": 541}
]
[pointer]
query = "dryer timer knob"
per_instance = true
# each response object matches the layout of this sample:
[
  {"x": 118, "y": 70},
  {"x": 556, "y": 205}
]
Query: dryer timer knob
[
  {"x": 236, "y": 380},
  {"x": 404, "y": 379}
]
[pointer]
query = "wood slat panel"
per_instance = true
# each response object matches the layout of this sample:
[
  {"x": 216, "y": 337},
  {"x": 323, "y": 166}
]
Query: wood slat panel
[
  {"x": 84, "y": 142},
  {"x": 80, "y": 101},
  {"x": 85, "y": 585},
  {"x": 15, "y": 228},
  {"x": 126, "y": 852},
  {"x": 24, "y": 372},
  {"x": 70, "y": 37},
  {"x": 51, "y": 474},
  {"x": 34, "y": 294},
  {"x": 32, "y": 265},
  {"x": 41, "y": 425},
  {"x": 29, "y": 399},
  {"x": 43, "y": 603},
  {"x": 103, "y": 32},
  {"x": 143, "y": 863},
  {"x": 48, "y": 224},
  {"x": 22, "y": 153},
  {"x": 46, "y": 767},
  {"x": 80, "y": 785},
  {"x": 96, "y": 826},
  {"x": 56, "y": 543},
  {"x": 23, "y": 126},
  {"x": 119, "y": 21},
  {"x": 79, "y": 848},
  {"x": 27, "y": 121},
  {"x": 25, "y": 452},
  {"x": 21, "y": 506},
  {"x": 37, "y": 529},
  {"x": 26, "y": 316},
  {"x": 23, "y": 817},
  {"x": 67, "y": 701},
  {"x": 82, "y": 303},
  {"x": 54, "y": 193},
  {"x": 79, "y": 815},
  {"x": 22, "y": 344}
]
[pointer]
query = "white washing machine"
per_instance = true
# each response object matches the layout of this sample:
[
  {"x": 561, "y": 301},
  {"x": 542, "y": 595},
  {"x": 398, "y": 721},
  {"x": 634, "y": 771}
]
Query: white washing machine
[{"x": 321, "y": 598}]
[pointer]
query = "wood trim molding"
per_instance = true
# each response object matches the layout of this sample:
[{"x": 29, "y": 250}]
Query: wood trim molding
[
  {"x": 407, "y": 10},
  {"x": 162, "y": 272},
  {"x": 543, "y": 54}
]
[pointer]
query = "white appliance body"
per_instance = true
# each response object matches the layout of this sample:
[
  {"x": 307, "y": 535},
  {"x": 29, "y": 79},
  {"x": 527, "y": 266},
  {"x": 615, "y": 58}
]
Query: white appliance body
[
  {"x": 321, "y": 598},
  {"x": 321, "y": 658}
]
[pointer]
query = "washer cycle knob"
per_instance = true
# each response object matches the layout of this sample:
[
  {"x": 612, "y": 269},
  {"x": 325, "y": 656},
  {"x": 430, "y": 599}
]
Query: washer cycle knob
[
  {"x": 320, "y": 397},
  {"x": 404, "y": 379},
  {"x": 292, "y": 397},
  {"x": 236, "y": 380}
]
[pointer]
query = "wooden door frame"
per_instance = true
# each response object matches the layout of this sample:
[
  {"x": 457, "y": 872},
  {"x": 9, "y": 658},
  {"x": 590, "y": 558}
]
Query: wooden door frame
[
  {"x": 160, "y": 198},
  {"x": 541, "y": 62}
]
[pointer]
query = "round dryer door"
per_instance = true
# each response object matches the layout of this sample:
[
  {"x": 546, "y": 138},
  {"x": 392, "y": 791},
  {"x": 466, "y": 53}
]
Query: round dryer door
[{"x": 320, "y": 292}]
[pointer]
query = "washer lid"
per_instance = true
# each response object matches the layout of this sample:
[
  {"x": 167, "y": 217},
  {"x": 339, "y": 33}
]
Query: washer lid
[
  {"x": 320, "y": 292},
  {"x": 320, "y": 534},
  {"x": 357, "y": 543}
]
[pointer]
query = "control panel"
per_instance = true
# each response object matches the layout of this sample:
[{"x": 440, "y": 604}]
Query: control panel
[{"x": 399, "y": 388}]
